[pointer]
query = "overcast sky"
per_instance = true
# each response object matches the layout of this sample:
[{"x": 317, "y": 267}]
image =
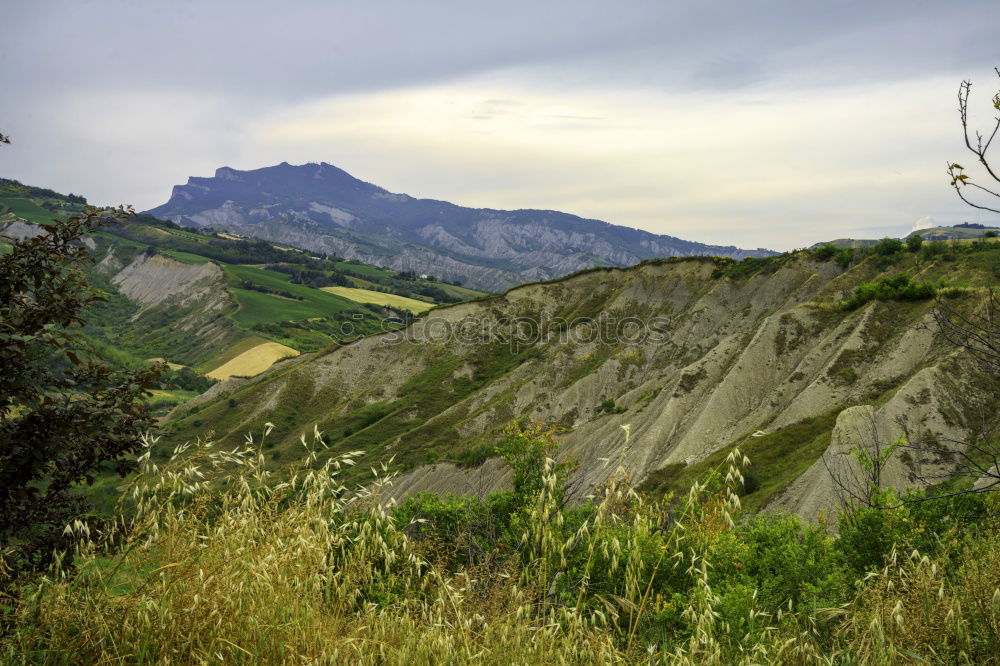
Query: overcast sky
[{"x": 773, "y": 124}]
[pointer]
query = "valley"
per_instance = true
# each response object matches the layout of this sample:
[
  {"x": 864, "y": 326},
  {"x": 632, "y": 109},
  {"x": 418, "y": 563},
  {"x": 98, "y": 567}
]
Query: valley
[{"x": 216, "y": 303}]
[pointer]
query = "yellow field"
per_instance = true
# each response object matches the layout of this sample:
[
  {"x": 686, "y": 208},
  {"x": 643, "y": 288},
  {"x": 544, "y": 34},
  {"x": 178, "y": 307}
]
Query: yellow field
[
  {"x": 253, "y": 361},
  {"x": 378, "y": 298}
]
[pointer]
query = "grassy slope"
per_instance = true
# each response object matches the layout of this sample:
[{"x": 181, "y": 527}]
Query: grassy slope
[
  {"x": 373, "y": 271},
  {"x": 257, "y": 307},
  {"x": 28, "y": 209},
  {"x": 959, "y": 233},
  {"x": 186, "y": 257},
  {"x": 460, "y": 292},
  {"x": 777, "y": 459}
]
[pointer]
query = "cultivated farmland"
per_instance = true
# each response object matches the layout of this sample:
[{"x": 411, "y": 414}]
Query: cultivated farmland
[
  {"x": 380, "y": 298},
  {"x": 253, "y": 361}
]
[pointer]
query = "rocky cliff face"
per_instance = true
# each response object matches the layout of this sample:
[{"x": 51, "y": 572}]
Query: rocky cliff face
[
  {"x": 692, "y": 364},
  {"x": 324, "y": 209}
]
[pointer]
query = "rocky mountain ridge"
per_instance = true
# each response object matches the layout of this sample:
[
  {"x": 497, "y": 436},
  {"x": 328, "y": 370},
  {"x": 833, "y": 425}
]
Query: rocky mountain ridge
[{"x": 324, "y": 209}]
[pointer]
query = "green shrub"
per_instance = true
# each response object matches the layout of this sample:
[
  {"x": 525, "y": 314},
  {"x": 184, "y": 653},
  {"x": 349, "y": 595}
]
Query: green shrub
[
  {"x": 609, "y": 406},
  {"x": 841, "y": 255},
  {"x": 896, "y": 288},
  {"x": 787, "y": 560},
  {"x": 825, "y": 252},
  {"x": 887, "y": 247}
]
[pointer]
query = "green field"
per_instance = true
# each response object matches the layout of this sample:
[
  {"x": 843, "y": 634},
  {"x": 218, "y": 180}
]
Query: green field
[
  {"x": 257, "y": 307},
  {"x": 187, "y": 235},
  {"x": 380, "y": 298},
  {"x": 27, "y": 209},
  {"x": 186, "y": 257},
  {"x": 363, "y": 269}
]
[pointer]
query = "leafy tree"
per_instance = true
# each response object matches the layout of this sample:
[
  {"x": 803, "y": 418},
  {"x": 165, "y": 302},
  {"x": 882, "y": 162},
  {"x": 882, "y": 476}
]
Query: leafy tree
[
  {"x": 914, "y": 242},
  {"x": 65, "y": 415}
]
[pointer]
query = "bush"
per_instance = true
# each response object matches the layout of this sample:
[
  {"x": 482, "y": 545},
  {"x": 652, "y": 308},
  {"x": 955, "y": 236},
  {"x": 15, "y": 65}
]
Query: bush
[
  {"x": 841, "y": 255},
  {"x": 887, "y": 247},
  {"x": 825, "y": 252},
  {"x": 914, "y": 242},
  {"x": 789, "y": 561},
  {"x": 609, "y": 406},
  {"x": 896, "y": 288}
]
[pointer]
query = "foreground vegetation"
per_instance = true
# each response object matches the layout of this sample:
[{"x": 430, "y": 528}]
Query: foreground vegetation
[{"x": 223, "y": 562}]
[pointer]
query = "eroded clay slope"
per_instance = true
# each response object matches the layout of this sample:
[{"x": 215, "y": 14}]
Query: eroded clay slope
[{"x": 711, "y": 361}]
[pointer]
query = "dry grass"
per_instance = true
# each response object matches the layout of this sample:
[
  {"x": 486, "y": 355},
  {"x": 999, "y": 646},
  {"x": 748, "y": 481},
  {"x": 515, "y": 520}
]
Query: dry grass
[
  {"x": 224, "y": 563},
  {"x": 253, "y": 361}
]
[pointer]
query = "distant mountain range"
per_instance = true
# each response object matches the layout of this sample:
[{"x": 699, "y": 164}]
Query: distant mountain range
[{"x": 324, "y": 209}]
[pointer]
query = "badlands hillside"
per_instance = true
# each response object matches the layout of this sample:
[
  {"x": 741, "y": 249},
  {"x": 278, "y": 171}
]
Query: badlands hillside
[{"x": 691, "y": 356}]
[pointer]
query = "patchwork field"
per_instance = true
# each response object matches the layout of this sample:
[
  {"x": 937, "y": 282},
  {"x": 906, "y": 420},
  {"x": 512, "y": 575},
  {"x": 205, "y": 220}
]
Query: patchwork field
[
  {"x": 257, "y": 307},
  {"x": 27, "y": 209},
  {"x": 253, "y": 361},
  {"x": 380, "y": 298}
]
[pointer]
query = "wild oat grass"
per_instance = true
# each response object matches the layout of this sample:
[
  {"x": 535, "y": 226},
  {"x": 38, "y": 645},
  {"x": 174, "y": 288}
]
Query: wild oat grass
[{"x": 224, "y": 563}]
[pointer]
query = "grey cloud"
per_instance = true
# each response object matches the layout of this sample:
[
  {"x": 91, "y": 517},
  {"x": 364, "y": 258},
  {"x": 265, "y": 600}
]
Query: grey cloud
[
  {"x": 168, "y": 88},
  {"x": 296, "y": 50}
]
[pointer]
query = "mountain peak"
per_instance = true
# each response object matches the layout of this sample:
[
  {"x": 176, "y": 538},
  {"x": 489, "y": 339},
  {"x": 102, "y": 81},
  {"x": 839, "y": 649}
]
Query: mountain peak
[
  {"x": 228, "y": 173},
  {"x": 325, "y": 209}
]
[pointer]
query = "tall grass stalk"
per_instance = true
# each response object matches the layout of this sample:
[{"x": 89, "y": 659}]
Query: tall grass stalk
[{"x": 224, "y": 562}]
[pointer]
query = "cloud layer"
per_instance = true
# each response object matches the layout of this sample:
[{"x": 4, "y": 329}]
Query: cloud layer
[{"x": 774, "y": 125}]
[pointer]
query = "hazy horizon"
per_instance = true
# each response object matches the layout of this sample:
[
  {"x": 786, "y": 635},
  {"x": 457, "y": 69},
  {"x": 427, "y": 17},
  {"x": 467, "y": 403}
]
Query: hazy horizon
[{"x": 773, "y": 126}]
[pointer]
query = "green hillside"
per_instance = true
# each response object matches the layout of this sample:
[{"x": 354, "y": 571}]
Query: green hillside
[
  {"x": 958, "y": 232},
  {"x": 260, "y": 293}
]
